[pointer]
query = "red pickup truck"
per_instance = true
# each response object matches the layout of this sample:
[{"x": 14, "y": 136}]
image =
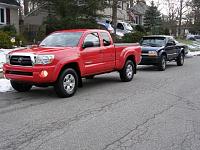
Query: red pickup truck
[{"x": 65, "y": 57}]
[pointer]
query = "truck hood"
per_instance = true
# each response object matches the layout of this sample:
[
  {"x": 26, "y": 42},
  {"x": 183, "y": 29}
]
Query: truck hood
[
  {"x": 148, "y": 48},
  {"x": 42, "y": 50}
]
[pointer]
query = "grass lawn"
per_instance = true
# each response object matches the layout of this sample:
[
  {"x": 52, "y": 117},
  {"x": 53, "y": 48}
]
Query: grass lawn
[{"x": 187, "y": 42}]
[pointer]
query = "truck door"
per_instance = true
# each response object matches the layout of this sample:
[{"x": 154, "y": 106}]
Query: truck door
[
  {"x": 171, "y": 49},
  {"x": 108, "y": 52},
  {"x": 92, "y": 55}
]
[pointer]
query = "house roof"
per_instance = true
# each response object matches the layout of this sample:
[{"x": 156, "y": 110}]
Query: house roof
[
  {"x": 10, "y": 2},
  {"x": 140, "y": 8}
]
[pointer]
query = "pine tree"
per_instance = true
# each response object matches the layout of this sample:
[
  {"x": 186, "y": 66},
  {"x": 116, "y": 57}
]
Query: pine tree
[{"x": 152, "y": 19}]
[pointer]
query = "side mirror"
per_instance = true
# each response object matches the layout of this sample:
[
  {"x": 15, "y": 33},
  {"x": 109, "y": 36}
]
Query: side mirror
[
  {"x": 88, "y": 44},
  {"x": 170, "y": 44},
  {"x": 106, "y": 43}
]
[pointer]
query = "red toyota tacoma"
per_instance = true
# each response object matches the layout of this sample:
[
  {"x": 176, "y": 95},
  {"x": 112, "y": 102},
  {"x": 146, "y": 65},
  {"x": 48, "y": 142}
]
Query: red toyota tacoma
[{"x": 65, "y": 57}]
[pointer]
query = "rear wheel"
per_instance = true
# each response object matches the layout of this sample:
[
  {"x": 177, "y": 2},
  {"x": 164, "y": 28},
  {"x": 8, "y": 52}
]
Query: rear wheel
[
  {"x": 67, "y": 83},
  {"x": 162, "y": 63},
  {"x": 20, "y": 86},
  {"x": 127, "y": 73},
  {"x": 180, "y": 59}
]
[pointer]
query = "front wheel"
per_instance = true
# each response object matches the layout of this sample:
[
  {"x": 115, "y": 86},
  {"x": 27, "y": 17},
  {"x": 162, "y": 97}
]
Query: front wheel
[
  {"x": 67, "y": 83},
  {"x": 127, "y": 73},
  {"x": 162, "y": 63},
  {"x": 20, "y": 86},
  {"x": 180, "y": 59}
]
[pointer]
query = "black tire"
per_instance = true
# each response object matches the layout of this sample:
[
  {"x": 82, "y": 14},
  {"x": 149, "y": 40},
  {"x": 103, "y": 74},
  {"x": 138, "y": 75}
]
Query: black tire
[
  {"x": 162, "y": 63},
  {"x": 67, "y": 83},
  {"x": 180, "y": 59},
  {"x": 20, "y": 86},
  {"x": 127, "y": 73},
  {"x": 90, "y": 77}
]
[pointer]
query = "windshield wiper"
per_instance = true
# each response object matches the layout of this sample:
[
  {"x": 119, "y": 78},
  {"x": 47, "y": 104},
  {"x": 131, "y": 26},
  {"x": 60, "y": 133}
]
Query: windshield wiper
[
  {"x": 146, "y": 44},
  {"x": 58, "y": 45}
]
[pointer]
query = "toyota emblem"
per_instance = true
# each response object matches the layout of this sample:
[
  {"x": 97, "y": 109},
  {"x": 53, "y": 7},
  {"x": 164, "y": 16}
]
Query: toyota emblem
[{"x": 20, "y": 60}]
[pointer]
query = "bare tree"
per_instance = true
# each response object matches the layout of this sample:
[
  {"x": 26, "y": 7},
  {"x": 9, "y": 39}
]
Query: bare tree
[
  {"x": 180, "y": 17},
  {"x": 177, "y": 11}
]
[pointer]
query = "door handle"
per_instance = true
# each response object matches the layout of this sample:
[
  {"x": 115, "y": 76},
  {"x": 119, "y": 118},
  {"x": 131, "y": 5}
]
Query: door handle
[{"x": 89, "y": 62}]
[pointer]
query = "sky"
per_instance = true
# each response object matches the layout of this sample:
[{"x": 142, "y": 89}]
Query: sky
[
  {"x": 160, "y": 4},
  {"x": 163, "y": 5}
]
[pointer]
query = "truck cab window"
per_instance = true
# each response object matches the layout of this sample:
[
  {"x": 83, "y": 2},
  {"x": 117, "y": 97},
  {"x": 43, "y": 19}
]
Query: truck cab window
[
  {"x": 120, "y": 26},
  {"x": 106, "y": 39},
  {"x": 93, "y": 38}
]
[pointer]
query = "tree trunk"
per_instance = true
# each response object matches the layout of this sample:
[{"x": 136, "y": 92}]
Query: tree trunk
[
  {"x": 26, "y": 7},
  {"x": 180, "y": 17},
  {"x": 131, "y": 3},
  {"x": 114, "y": 17}
]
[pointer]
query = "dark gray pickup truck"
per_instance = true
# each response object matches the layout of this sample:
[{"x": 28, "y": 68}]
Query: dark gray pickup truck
[{"x": 158, "y": 49}]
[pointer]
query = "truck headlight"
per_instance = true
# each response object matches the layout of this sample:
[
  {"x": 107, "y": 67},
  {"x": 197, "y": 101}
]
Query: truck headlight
[
  {"x": 44, "y": 59},
  {"x": 153, "y": 53},
  {"x": 7, "y": 58}
]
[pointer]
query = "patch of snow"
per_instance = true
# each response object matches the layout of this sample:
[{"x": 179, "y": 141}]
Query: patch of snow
[
  {"x": 192, "y": 54},
  {"x": 2, "y": 58},
  {"x": 195, "y": 46},
  {"x": 5, "y": 85}
]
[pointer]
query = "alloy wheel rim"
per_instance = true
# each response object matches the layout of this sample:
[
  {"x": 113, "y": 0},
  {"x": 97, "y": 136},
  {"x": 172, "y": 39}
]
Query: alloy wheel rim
[
  {"x": 182, "y": 59},
  {"x": 163, "y": 63},
  {"x": 69, "y": 83},
  {"x": 129, "y": 71}
]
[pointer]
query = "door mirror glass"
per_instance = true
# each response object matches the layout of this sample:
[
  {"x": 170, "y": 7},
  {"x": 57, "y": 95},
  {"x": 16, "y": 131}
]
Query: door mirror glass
[{"x": 88, "y": 44}]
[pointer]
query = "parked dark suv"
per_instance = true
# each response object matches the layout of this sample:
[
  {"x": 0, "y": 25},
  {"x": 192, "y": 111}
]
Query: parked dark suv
[{"x": 158, "y": 49}]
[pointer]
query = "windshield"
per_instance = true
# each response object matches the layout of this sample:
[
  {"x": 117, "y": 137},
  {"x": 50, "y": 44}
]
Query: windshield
[
  {"x": 62, "y": 39},
  {"x": 128, "y": 26},
  {"x": 153, "y": 41}
]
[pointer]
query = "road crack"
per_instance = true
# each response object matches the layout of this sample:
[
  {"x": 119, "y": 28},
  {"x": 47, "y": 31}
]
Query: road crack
[{"x": 118, "y": 144}]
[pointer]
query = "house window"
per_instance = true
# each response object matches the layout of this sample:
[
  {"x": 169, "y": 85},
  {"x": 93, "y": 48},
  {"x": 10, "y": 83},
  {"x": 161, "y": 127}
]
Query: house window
[
  {"x": 2, "y": 16},
  {"x": 81, "y": 2},
  {"x": 137, "y": 20}
]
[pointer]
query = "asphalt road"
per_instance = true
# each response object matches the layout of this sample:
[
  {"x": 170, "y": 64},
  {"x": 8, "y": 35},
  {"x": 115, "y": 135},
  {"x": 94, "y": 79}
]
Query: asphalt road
[{"x": 156, "y": 111}]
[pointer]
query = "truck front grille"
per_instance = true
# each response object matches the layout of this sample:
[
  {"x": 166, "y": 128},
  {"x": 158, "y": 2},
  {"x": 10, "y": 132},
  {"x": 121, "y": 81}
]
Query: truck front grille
[{"x": 21, "y": 60}]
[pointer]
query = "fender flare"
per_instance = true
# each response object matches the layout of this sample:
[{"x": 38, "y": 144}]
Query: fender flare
[{"x": 61, "y": 64}]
